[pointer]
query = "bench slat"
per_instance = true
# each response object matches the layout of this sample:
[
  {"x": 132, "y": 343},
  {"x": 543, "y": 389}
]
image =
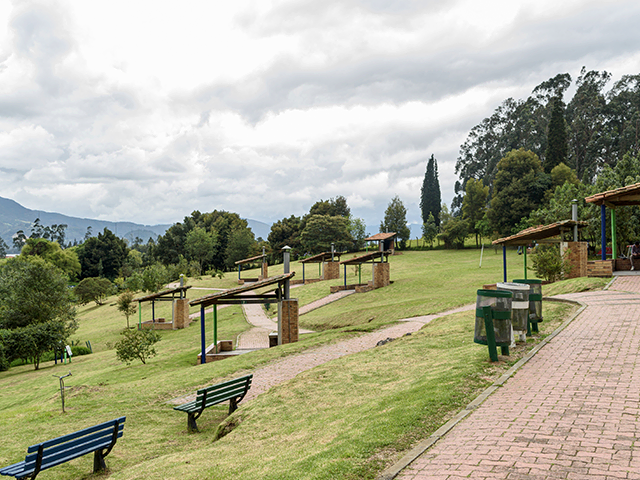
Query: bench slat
[
  {"x": 79, "y": 433},
  {"x": 51, "y": 459}
]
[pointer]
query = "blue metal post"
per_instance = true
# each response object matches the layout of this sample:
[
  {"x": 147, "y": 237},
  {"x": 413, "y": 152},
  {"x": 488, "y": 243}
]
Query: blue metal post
[
  {"x": 203, "y": 357},
  {"x": 239, "y": 270},
  {"x": 303, "y": 273},
  {"x": 603, "y": 230},
  {"x": 504, "y": 261},
  {"x": 215, "y": 327}
]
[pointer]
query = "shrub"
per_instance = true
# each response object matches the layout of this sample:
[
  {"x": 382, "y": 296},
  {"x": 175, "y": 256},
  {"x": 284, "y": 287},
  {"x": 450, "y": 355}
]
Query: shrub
[
  {"x": 136, "y": 345},
  {"x": 548, "y": 264}
]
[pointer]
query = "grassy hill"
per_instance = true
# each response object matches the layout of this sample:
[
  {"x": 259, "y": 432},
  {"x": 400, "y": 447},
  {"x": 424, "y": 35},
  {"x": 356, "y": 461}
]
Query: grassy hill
[{"x": 345, "y": 419}]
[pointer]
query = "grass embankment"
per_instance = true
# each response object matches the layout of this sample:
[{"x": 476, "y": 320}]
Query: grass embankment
[{"x": 345, "y": 419}]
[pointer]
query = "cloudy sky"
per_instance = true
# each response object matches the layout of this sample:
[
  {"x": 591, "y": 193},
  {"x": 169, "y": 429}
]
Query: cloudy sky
[{"x": 144, "y": 111}]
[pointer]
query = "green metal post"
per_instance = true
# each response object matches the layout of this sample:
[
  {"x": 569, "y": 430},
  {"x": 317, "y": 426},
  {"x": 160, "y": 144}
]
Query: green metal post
[
  {"x": 491, "y": 336},
  {"x": 525, "y": 262},
  {"x": 505, "y": 350},
  {"x": 360, "y": 273},
  {"x": 139, "y": 315},
  {"x": 215, "y": 327},
  {"x": 320, "y": 269},
  {"x": 614, "y": 239}
]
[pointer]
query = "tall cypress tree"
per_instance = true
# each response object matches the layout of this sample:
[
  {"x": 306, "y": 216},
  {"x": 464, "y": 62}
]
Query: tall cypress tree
[
  {"x": 430, "y": 198},
  {"x": 557, "y": 146}
]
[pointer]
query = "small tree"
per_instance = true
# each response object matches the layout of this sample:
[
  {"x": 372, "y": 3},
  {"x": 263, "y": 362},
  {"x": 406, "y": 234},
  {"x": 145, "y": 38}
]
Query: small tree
[
  {"x": 137, "y": 345},
  {"x": 548, "y": 264},
  {"x": 94, "y": 289},
  {"x": 429, "y": 230},
  {"x": 126, "y": 305}
]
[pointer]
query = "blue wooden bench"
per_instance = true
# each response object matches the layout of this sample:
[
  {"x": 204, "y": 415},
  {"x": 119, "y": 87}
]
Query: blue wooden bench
[
  {"x": 98, "y": 439},
  {"x": 232, "y": 390}
]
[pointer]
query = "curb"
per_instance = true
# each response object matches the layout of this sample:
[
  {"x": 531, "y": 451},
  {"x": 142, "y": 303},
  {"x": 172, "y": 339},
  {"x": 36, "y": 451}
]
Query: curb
[{"x": 391, "y": 472}]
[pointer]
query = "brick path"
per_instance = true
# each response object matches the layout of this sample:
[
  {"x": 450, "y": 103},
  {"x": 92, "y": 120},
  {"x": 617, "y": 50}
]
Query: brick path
[{"x": 571, "y": 412}]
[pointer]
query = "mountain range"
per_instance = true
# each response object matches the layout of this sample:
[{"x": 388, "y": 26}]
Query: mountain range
[{"x": 14, "y": 217}]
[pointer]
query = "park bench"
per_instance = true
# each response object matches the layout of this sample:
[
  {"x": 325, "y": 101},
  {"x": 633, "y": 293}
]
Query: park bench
[
  {"x": 232, "y": 390},
  {"x": 98, "y": 439}
]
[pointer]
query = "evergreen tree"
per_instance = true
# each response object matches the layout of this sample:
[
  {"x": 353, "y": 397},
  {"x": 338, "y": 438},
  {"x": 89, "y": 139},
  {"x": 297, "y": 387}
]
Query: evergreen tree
[
  {"x": 430, "y": 198},
  {"x": 557, "y": 146}
]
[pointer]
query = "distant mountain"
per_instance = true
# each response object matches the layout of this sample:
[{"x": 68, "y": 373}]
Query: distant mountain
[
  {"x": 14, "y": 217},
  {"x": 259, "y": 229}
]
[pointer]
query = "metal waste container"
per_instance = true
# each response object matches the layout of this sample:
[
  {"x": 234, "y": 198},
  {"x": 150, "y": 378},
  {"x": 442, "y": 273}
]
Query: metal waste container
[
  {"x": 519, "y": 307},
  {"x": 500, "y": 303},
  {"x": 535, "y": 300}
]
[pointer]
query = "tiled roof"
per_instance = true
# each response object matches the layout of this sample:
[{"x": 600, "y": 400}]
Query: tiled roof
[
  {"x": 538, "y": 233},
  {"x": 629, "y": 195}
]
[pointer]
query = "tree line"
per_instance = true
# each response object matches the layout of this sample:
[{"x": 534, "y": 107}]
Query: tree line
[{"x": 523, "y": 165}]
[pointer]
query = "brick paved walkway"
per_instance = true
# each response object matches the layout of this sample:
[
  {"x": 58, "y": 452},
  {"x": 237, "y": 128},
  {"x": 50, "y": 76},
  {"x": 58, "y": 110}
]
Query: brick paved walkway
[{"x": 571, "y": 412}]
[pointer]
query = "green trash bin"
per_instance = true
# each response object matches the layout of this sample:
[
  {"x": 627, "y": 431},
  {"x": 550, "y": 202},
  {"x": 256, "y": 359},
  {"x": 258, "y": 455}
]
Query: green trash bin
[
  {"x": 500, "y": 303},
  {"x": 535, "y": 301}
]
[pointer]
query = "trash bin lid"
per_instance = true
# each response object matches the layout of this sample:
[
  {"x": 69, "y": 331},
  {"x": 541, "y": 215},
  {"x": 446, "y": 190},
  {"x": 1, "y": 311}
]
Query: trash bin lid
[
  {"x": 512, "y": 286},
  {"x": 529, "y": 281},
  {"x": 495, "y": 293}
]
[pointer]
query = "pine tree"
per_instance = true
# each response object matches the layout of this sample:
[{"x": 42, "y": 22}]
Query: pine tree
[
  {"x": 430, "y": 198},
  {"x": 557, "y": 146}
]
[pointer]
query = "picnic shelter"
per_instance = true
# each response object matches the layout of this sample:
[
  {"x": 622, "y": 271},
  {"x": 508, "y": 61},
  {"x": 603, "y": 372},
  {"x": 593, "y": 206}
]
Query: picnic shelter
[
  {"x": 179, "y": 312},
  {"x": 277, "y": 291}
]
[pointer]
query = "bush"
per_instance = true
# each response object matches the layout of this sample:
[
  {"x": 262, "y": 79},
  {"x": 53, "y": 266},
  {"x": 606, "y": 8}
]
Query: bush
[
  {"x": 548, "y": 264},
  {"x": 136, "y": 345}
]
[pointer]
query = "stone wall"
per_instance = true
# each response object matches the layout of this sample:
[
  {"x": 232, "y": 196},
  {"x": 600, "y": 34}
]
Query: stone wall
[{"x": 600, "y": 268}]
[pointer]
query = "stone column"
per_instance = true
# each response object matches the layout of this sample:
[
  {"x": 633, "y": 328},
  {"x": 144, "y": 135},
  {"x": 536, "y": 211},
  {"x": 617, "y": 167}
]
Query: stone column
[
  {"x": 180, "y": 313},
  {"x": 264, "y": 270},
  {"x": 331, "y": 270},
  {"x": 380, "y": 275},
  {"x": 577, "y": 258},
  {"x": 288, "y": 321}
]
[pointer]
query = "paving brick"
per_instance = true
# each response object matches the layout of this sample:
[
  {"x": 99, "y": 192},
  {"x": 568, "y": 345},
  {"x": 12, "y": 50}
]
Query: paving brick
[{"x": 571, "y": 412}]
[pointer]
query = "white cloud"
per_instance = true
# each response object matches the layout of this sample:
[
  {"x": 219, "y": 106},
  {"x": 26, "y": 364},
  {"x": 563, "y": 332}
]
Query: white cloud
[{"x": 144, "y": 111}]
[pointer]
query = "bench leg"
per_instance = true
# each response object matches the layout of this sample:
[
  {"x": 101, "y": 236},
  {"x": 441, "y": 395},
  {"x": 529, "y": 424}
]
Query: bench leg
[
  {"x": 98, "y": 462},
  {"x": 191, "y": 423},
  {"x": 233, "y": 405}
]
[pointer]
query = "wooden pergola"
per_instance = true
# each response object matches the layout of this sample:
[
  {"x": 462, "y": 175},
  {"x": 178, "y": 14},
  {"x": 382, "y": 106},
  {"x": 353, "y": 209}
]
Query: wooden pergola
[
  {"x": 385, "y": 241},
  {"x": 319, "y": 258},
  {"x": 620, "y": 197},
  {"x": 239, "y": 296},
  {"x": 239, "y": 263},
  {"x": 168, "y": 295},
  {"x": 371, "y": 257},
  {"x": 551, "y": 233}
]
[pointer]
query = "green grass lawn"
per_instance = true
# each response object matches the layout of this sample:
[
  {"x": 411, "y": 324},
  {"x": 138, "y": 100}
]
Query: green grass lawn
[{"x": 345, "y": 419}]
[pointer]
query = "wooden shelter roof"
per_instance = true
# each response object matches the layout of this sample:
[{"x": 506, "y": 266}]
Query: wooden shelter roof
[
  {"x": 380, "y": 236},
  {"x": 320, "y": 257},
  {"x": 540, "y": 232},
  {"x": 249, "y": 260},
  {"x": 629, "y": 195},
  {"x": 164, "y": 294},
  {"x": 235, "y": 295},
  {"x": 367, "y": 257}
]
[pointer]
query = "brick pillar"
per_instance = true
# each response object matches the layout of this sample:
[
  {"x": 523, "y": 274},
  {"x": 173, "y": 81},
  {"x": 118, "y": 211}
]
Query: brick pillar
[
  {"x": 288, "y": 321},
  {"x": 577, "y": 258},
  {"x": 264, "y": 271},
  {"x": 380, "y": 275},
  {"x": 331, "y": 270},
  {"x": 180, "y": 313}
]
